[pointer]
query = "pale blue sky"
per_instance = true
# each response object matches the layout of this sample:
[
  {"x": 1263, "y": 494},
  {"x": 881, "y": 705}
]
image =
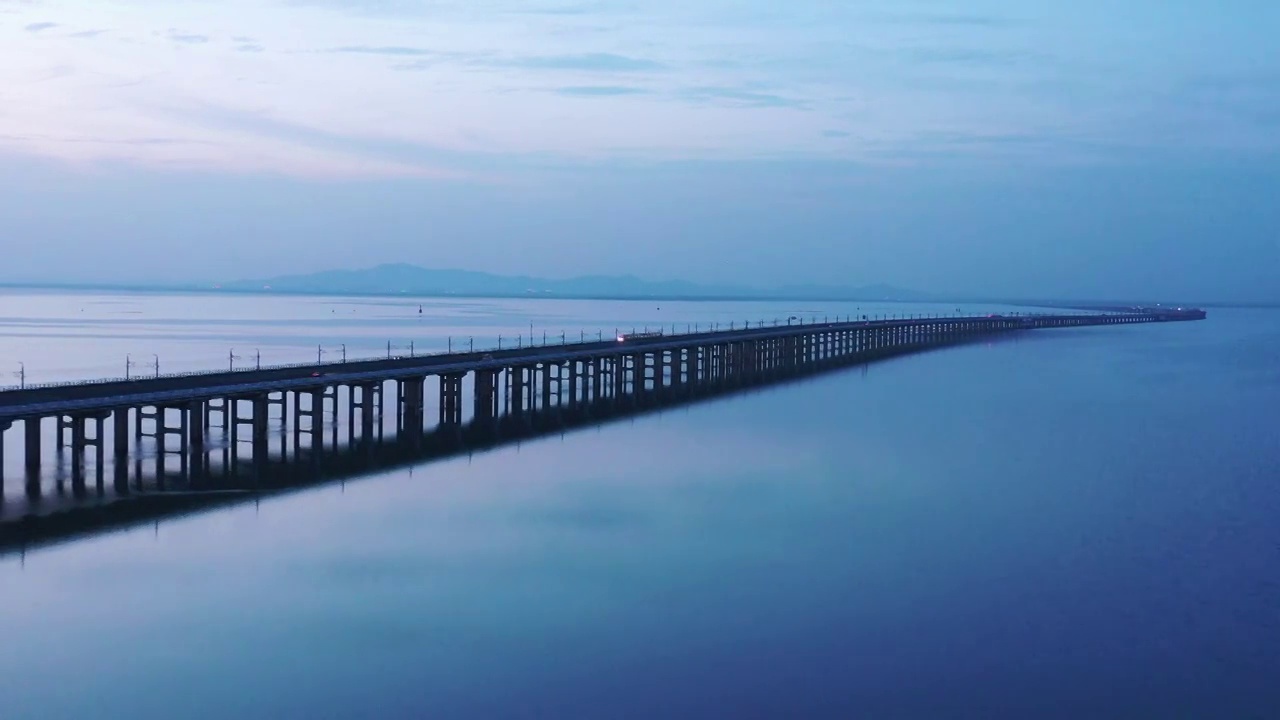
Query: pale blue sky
[{"x": 1087, "y": 148}]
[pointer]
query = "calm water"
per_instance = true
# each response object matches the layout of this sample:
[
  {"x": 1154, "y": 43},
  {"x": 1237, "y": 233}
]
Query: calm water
[{"x": 1075, "y": 524}]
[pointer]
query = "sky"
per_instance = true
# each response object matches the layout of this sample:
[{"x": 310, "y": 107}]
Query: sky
[{"x": 1089, "y": 149}]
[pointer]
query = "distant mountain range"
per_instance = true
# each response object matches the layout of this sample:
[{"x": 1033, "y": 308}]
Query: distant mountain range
[{"x": 394, "y": 279}]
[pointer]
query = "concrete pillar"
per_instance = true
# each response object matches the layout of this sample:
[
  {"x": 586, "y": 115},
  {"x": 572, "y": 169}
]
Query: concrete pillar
[
  {"x": 486, "y": 399},
  {"x": 31, "y": 454},
  {"x": 184, "y": 438},
  {"x": 120, "y": 435},
  {"x": 572, "y": 383},
  {"x": 261, "y": 450},
  {"x": 196, "y": 413},
  {"x": 120, "y": 448},
  {"x": 317, "y": 424},
  {"x": 77, "y": 455},
  {"x": 400, "y": 392},
  {"x": 4, "y": 427},
  {"x": 367, "y": 411},
  {"x": 411, "y": 410},
  {"x": 295, "y": 424},
  {"x": 516, "y": 382},
  {"x": 100, "y": 448},
  {"x": 546, "y": 386}
]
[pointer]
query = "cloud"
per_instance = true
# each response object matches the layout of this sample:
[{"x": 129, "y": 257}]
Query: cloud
[
  {"x": 40, "y": 26},
  {"x": 666, "y": 80},
  {"x": 391, "y": 50},
  {"x": 188, "y": 38},
  {"x": 974, "y": 56},
  {"x": 600, "y": 90},
  {"x": 946, "y": 20},
  {"x": 588, "y": 62},
  {"x": 86, "y": 34},
  {"x": 737, "y": 98}
]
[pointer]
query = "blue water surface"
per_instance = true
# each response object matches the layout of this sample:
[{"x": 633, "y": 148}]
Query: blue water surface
[{"x": 1074, "y": 524}]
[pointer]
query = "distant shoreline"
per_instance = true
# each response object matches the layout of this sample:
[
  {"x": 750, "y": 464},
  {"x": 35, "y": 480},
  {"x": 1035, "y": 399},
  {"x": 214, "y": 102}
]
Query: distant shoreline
[{"x": 203, "y": 290}]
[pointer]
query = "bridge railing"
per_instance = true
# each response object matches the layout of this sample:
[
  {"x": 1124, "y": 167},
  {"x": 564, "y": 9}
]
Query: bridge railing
[{"x": 565, "y": 339}]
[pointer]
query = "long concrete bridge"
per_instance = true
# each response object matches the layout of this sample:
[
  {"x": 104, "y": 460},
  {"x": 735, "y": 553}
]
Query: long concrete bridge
[{"x": 204, "y": 435}]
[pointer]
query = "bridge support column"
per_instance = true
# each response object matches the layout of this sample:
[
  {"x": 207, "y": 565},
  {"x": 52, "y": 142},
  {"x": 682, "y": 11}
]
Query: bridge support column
[
  {"x": 486, "y": 397},
  {"x": 77, "y": 453},
  {"x": 351, "y": 413},
  {"x": 545, "y": 372},
  {"x": 261, "y": 450},
  {"x": 99, "y": 443},
  {"x": 515, "y": 394},
  {"x": 379, "y": 409},
  {"x": 31, "y": 454},
  {"x": 4, "y": 427},
  {"x": 575, "y": 389},
  {"x": 593, "y": 382},
  {"x": 295, "y": 424},
  {"x": 328, "y": 408},
  {"x": 120, "y": 448},
  {"x": 400, "y": 390},
  {"x": 619, "y": 372},
  {"x": 188, "y": 420},
  {"x": 451, "y": 404},
  {"x": 317, "y": 424},
  {"x": 410, "y": 412},
  {"x": 367, "y": 411}
]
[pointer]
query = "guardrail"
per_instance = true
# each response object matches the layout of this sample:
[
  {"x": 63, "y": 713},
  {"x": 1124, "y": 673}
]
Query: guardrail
[{"x": 690, "y": 330}]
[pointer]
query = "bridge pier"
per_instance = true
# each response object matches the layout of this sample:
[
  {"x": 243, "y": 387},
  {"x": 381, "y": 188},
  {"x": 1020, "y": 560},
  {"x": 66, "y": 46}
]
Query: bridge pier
[
  {"x": 313, "y": 414},
  {"x": 367, "y": 411},
  {"x": 450, "y": 423},
  {"x": 4, "y": 428},
  {"x": 261, "y": 450},
  {"x": 410, "y": 411},
  {"x": 485, "y": 411},
  {"x": 80, "y": 442}
]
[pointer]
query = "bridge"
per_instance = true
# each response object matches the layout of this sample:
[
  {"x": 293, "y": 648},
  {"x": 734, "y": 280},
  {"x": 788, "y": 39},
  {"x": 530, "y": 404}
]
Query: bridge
[{"x": 198, "y": 439}]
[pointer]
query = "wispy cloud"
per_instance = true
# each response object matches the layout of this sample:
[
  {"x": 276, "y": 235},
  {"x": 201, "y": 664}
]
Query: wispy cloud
[
  {"x": 974, "y": 56},
  {"x": 188, "y": 38},
  {"x": 669, "y": 79},
  {"x": 587, "y": 62},
  {"x": 601, "y": 90},
  {"x": 391, "y": 50},
  {"x": 737, "y": 97}
]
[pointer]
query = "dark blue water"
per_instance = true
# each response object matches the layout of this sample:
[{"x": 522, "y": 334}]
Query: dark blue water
[{"x": 1076, "y": 524}]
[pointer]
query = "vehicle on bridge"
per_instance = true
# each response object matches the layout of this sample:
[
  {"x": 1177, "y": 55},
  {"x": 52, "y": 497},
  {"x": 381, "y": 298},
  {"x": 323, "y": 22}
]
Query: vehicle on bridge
[{"x": 639, "y": 336}]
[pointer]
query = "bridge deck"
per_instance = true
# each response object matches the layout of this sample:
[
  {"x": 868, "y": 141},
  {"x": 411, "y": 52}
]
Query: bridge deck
[{"x": 91, "y": 395}]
